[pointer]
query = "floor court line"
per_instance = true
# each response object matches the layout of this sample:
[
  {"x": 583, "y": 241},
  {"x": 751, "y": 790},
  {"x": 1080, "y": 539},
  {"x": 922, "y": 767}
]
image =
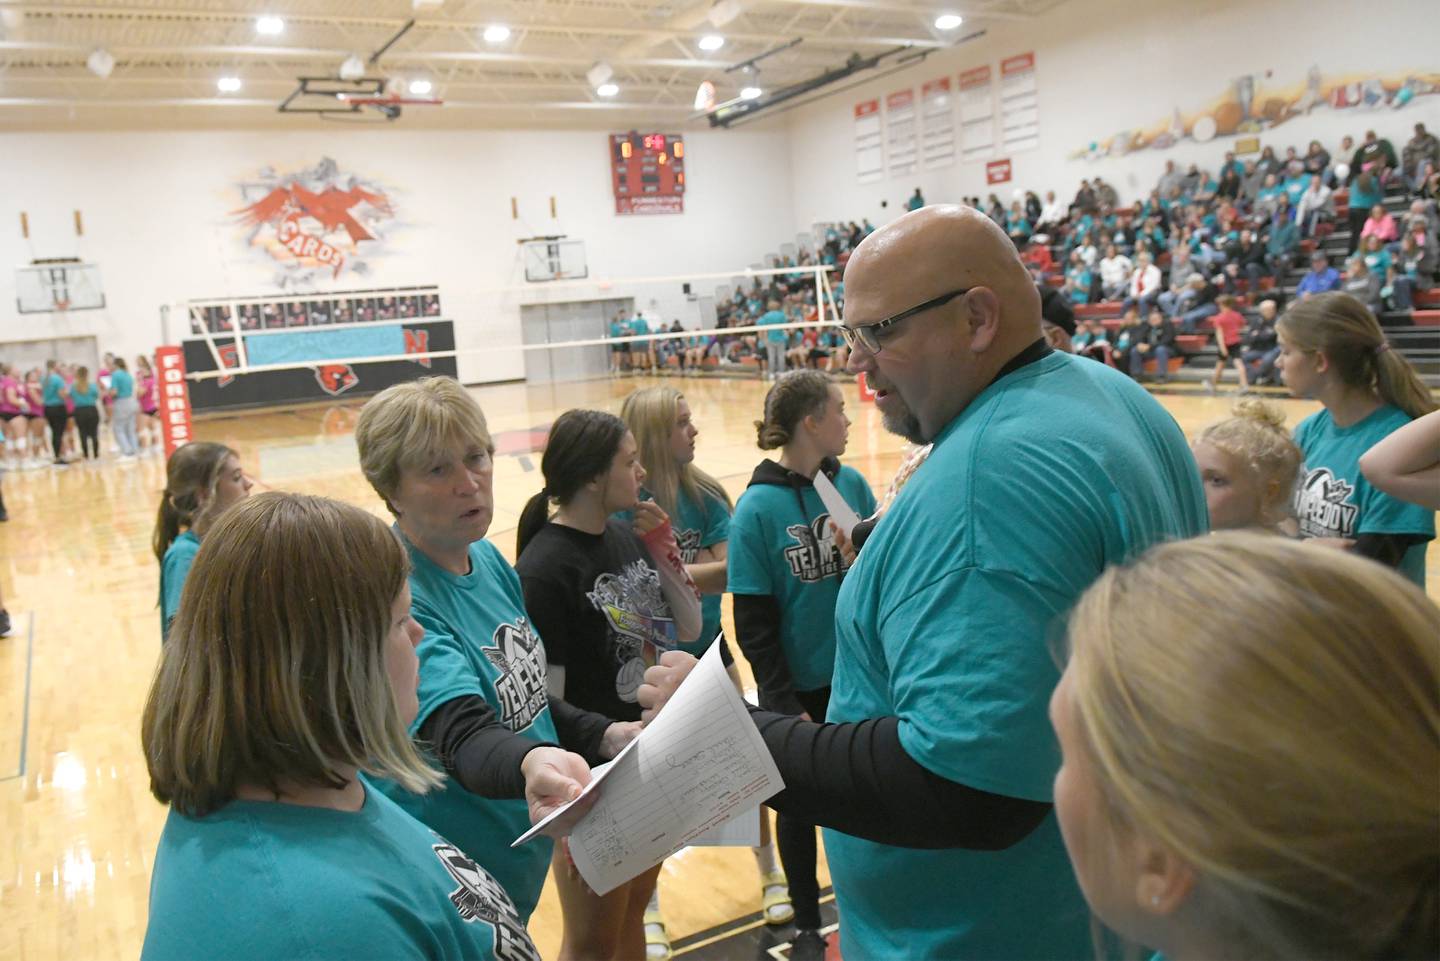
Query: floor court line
[{"x": 25, "y": 707}]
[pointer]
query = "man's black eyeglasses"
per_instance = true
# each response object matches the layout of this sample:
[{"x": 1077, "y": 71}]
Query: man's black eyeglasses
[{"x": 867, "y": 335}]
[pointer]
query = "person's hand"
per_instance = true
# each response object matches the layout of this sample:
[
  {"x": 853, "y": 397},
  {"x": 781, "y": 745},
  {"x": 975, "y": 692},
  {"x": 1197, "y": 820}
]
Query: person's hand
[
  {"x": 662, "y": 681},
  {"x": 554, "y": 778},
  {"x": 1335, "y": 543},
  {"x": 618, "y": 735},
  {"x": 847, "y": 549},
  {"x": 649, "y": 516}
]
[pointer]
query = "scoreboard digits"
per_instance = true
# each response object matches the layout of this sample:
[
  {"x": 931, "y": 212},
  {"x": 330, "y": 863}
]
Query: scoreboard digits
[{"x": 647, "y": 172}]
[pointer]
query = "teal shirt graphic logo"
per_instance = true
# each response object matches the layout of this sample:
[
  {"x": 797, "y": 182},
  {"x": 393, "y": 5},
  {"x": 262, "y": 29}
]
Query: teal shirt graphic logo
[
  {"x": 1324, "y": 506},
  {"x": 480, "y": 897},
  {"x": 814, "y": 556},
  {"x": 637, "y": 614},
  {"x": 520, "y": 658}
]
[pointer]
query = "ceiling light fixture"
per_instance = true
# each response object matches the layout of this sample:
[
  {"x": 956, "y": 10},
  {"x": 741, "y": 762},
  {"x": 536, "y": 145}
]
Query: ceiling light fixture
[
  {"x": 100, "y": 62},
  {"x": 711, "y": 41},
  {"x": 228, "y": 84},
  {"x": 751, "y": 93},
  {"x": 723, "y": 11},
  {"x": 607, "y": 90},
  {"x": 497, "y": 33},
  {"x": 948, "y": 21},
  {"x": 353, "y": 68},
  {"x": 599, "y": 74},
  {"x": 421, "y": 86},
  {"x": 270, "y": 26}
]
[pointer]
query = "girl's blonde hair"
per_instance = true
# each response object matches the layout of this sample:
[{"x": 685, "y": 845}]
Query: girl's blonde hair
[
  {"x": 650, "y": 414},
  {"x": 411, "y": 425},
  {"x": 191, "y": 474},
  {"x": 274, "y": 671},
  {"x": 1270, "y": 713},
  {"x": 1349, "y": 336},
  {"x": 1255, "y": 436}
]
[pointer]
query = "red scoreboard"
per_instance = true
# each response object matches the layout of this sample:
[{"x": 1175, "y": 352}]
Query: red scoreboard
[{"x": 647, "y": 171}]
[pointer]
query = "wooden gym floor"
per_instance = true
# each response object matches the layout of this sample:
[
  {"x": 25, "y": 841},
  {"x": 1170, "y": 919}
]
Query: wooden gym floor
[{"x": 81, "y": 584}]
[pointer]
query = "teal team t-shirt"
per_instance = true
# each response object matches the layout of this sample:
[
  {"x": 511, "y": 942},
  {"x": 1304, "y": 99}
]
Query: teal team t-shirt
[
  {"x": 85, "y": 398},
  {"x": 948, "y": 621},
  {"x": 175, "y": 567},
  {"x": 479, "y": 641},
  {"x": 773, "y": 317},
  {"x": 259, "y": 879},
  {"x": 50, "y": 390},
  {"x": 1335, "y": 499},
  {"x": 122, "y": 384},
  {"x": 698, "y": 527},
  {"x": 777, "y": 550}
]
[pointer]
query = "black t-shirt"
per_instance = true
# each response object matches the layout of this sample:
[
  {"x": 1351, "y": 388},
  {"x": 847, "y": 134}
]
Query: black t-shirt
[{"x": 596, "y": 600}]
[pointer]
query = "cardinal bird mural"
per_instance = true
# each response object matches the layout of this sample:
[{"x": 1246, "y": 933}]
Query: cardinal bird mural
[{"x": 314, "y": 221}]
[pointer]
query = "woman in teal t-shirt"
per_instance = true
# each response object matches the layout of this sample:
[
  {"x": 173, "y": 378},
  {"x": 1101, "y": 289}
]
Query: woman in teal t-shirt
[
  {"x": 485, "y": 706},
  {"x": 1333, "y": 350},
  {"x": 86, "y": 395},
  {"x": 291, "y": 678},
  {"x": 201, "y": 480},
  {"x": 785, "y": 567}
]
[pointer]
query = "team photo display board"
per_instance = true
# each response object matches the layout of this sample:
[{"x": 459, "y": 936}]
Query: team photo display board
[{"x": 647, "y": 172}]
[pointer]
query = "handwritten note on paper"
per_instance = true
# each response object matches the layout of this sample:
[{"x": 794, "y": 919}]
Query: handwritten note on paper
[
  {"x": 699, "y": 764},
  {"x": 841, "y": 513}
]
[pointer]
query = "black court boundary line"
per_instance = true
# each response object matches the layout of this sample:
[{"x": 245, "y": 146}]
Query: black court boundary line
[
  {"x": 25, "y": 709},
  {"x": 749, "y": 922}
]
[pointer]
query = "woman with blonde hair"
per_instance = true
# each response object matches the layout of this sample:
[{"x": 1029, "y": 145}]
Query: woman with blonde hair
[
  {"x": 700, "y": 509},
  {"x": 1333, "y": 350},
  {"x": 290, "y": 674},
  {"x": 202, "y": 479},
  {"x": 1250, "y": 733},
  {"x": 1249, "y": 467},
  {"x": 485, "y": 708}
]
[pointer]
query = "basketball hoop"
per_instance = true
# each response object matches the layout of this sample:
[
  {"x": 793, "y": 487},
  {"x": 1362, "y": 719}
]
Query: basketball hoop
[{"x": 61, "y": 306}]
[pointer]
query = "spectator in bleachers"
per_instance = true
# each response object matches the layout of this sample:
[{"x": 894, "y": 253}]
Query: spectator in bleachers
[
  {"x": 1268, "y": 165},
  {"x": 1346, "y": 151},
  {"x": 1229, "y": 186},
  {"x": 1376, "y": 155},
  {"x": 1229, "y": 327},
  {"x": 1251, "y": 257},
  {"x": 916, "y": 200},
  {"x": 1420, "y": 157},
  {"x": 1366, "y": 192},
  {"x": 1033, "y": 210},
  {"x": 1321, "y": 278},
  {"x": 1115, "y": 270},
  {"x": 1283, "y": 242},
  {"x": 1296, "y": 182},
  {"x": 1057, "y": 319},
  {"x": 1130, "y": 332},
  {"x": 1232, "y": 164},
  {"x": 1078, "y": 279},
  {"x": 1405, "y": 273},
  {"x": 1202, "y": 305},
  {"x": 1087, "y": 250},
  {"x": 1093, "y": 341},
  {"x": 1017, "y": 225},
  {"x": 1052, "y": 217},
  {"x": 1169, "y": 180},
  {"x": 1268, "y": 197},
  {"x": 1036, "y": 257},
  {"x": 1084, "y": 199},
  {"x": 1260, "y": 345},
  {"x": 1156, "y": 342},
  {"x": 1315, "y": 206},
  {"x": 1317, "y": 159},
  {"x": 1361, "y": 284},
  {"x": 1422, "y": 228},
  {"x": 1145, "y": 287},
  {"x": 1105, "y": 194},
  {"x": 1380, "y": 224},
  {"x": 1377, "y": 257}
]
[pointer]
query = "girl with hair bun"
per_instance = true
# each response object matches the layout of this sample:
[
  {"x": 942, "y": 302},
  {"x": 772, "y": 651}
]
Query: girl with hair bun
[
  {"x": 1250, "y": 739},
  {"x": 201, "y": 480},
  {"x": 1249, "y": 467},
  {"x": 785, "y": 566},
  {"x": 1333, "y": 350},
  {"x": 608, "y": 597}
]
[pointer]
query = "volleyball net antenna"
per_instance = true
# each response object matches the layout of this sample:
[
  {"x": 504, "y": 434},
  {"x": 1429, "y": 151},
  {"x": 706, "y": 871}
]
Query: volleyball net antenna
[{"x": 246, "y": 336}]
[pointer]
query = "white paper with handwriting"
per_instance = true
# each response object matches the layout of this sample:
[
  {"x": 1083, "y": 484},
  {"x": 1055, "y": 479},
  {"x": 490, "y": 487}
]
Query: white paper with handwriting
[{"x": 700, "y": 764}]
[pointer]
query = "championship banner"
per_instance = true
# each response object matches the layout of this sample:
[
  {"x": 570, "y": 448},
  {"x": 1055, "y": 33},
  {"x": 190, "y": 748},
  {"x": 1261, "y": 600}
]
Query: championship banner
[{"x": 174, "y": 398}]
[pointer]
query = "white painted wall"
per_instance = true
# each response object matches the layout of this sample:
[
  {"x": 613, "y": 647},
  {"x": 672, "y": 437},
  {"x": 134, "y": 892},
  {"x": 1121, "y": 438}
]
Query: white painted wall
[
  {"x": 156, "y": 209},
  {"x": 1105, "y": 66}
]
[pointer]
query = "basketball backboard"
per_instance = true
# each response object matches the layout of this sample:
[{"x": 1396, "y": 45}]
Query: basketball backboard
[{"x": 43, "y": 288}]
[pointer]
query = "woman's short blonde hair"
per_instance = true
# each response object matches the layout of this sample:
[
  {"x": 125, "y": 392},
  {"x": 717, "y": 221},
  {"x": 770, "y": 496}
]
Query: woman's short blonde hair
[
  {"x": 1270, "y": 712},
  {"x": 410, "y": 425},
  {"x": 274, "y": 671}
]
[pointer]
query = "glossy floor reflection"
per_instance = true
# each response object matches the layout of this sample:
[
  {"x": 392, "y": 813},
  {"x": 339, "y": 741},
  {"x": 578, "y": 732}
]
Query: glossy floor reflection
[{"x": 81, "y": 583}]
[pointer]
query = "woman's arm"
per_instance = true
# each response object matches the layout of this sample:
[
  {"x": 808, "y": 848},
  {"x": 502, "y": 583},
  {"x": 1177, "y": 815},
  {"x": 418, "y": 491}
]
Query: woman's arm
[
  {"x": 708, "y": 572},
  {"x": 655, "y": 532},
  {"x": 1406, "y": 464}
]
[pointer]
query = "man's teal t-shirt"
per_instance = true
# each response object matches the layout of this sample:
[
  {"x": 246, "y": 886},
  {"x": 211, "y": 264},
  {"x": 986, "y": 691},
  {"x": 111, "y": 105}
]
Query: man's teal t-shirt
[
  {"x": 1335, "y": 500},
  {"x": 777, "y": 550},
  {"x": 175, "y": 567},
  {"x": 50, "y": 390},
  {"x": 696, "y": 528},
  {"x": 949, "y": 619},
  {"x": 773, "y": 317},
  {"x": 479, "y": 641},
  {"x": 260, "y": 879},
  {"x": 122, "y": 384}
]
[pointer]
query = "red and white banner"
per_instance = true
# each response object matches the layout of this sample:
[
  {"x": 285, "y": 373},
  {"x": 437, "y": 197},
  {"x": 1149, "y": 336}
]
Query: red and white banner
[
  {"x": 174, "y": 397},
  {"x": 977, "y": 113},
  {"x": 869, "y": 142},
  {"x": 1019, "y": 104},
  {"x": 901, "y": 141},
  {"x": 937, "y": 132},
  {"x": 997, "y": 172}
]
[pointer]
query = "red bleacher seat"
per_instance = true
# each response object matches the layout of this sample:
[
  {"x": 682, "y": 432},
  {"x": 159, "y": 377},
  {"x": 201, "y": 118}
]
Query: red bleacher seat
[
  {"x": 1424, "y": 298},
  {"x": 1267, "y": 283},
  {"x": 1172, "y": 365},
  {"x": 1103, "y": 309},
  {"x": 1426, "y": 318},
  {"x": 1191, "y": 343}
]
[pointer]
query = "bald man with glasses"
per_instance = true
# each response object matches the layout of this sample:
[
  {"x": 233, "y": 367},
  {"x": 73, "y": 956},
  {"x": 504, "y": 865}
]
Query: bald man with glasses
[{"x": 933, "y": 771}]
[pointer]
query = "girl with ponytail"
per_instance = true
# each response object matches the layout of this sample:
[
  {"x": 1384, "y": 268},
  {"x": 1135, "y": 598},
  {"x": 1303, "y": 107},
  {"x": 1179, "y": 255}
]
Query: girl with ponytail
[
  {"x": 201, "y": 480},
  {"x": 609, "y": 596},
  {"x": 1333, "y": 350}
]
